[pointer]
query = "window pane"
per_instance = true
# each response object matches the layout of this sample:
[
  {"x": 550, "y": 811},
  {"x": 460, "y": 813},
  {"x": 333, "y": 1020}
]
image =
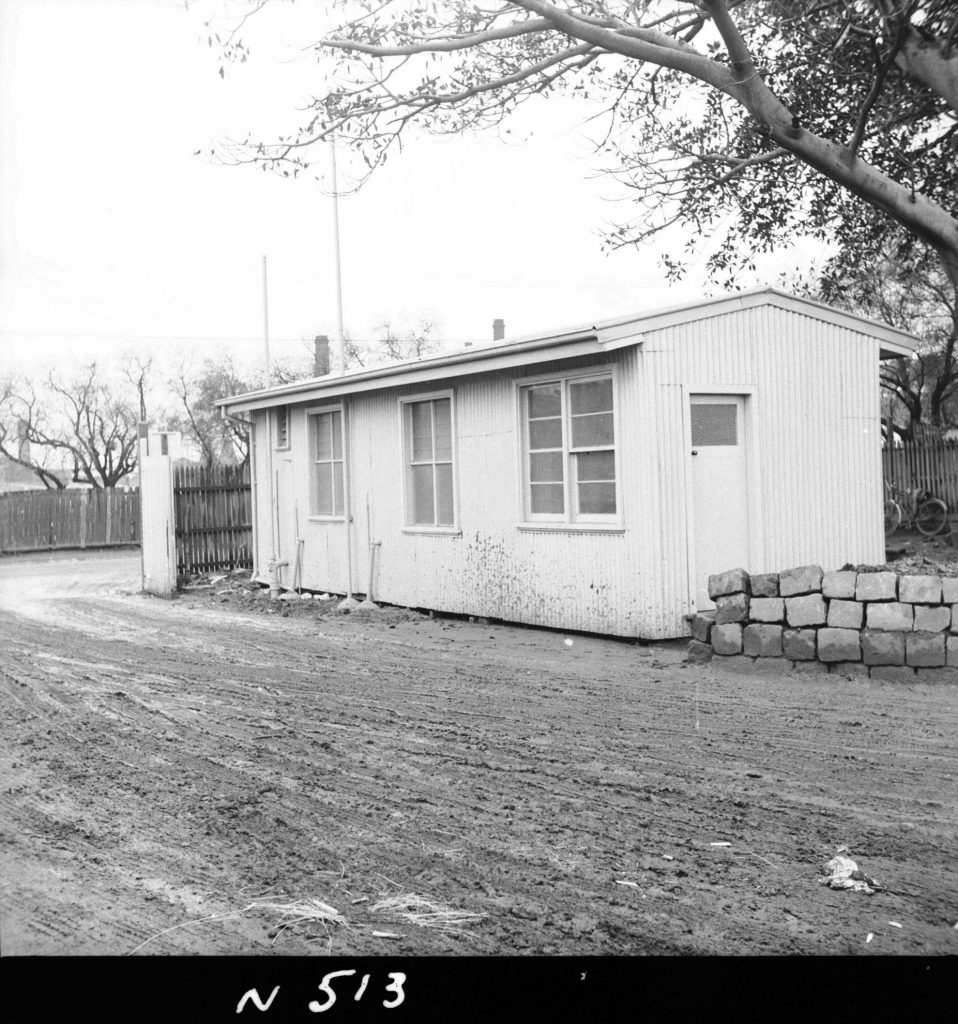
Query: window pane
[
  {"x": 421, "y": 416},
  {"x": 336, "y": 429},
  {"x": 446, "y": 511},
  {"x": 597, "y": 499},
  {"x": 423, "y": 512},
  {"x": 324, "y": 492},
  {"x": 546, "y": 498},
  {"x": 713, "y": 424},
  {"x": 545, "y": 434},
  {"x": 339, "y": 504},
  {"x": 545, "y": 400},
  {"x": 595, "y": 465},
  {"x": 545, "y": 467},
  {"x": 593, "y": 430},
  {"x": 324, "y": 445},
  {"x": 592, "y": 396},
  {"x": 443, "y": 411}
]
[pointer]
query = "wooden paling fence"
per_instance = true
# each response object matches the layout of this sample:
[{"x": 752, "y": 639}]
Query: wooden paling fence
[
  {"x": 930, "y": 466},
  {"x": 43, "y": 520},
  {"x": 213, "y": 518}
]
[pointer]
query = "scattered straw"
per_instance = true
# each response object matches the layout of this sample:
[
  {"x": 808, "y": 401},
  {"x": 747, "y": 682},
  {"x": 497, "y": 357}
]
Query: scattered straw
[
  {"x": 426, "y": 913},
  {"x": 291, "y": 912},
  {"x": 296, "y": 912}
]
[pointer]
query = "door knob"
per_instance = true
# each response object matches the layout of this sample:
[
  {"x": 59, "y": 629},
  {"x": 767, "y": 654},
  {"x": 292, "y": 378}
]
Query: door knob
[{"x": 695, "y": 451}]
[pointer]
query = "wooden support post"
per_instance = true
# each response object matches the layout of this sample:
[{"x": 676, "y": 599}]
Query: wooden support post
[{"x": 84, "y": 503}]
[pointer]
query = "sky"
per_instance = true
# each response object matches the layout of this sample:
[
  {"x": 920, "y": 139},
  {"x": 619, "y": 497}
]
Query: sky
[{"x": 115, "y": 236}]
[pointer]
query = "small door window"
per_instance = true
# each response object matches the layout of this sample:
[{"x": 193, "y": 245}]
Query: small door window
[{"x": 714, "y": 423}]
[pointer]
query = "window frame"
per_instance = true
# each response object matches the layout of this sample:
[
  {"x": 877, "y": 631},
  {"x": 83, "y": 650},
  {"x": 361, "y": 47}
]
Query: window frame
[
  {"x": 569, "y": 518},
  {"x": 405, "y": 438},
  {"x": 312, "y": 413},
  {"x": 279, "y": 446}
]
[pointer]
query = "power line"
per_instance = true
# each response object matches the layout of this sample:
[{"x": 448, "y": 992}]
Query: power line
[
  {"x": 142, "y": 337},
  {"x": 190, "y": 337}
]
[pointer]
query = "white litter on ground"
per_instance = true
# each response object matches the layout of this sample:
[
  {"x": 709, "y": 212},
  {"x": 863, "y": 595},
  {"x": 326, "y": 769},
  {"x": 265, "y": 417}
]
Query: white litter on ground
[{"x": 841, "y": 872}]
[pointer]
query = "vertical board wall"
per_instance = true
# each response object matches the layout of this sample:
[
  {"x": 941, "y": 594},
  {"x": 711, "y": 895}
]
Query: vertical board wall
[{"x": 814, "y": 431}]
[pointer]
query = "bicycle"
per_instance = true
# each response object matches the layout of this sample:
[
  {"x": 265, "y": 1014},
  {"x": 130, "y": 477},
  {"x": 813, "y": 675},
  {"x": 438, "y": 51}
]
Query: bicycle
[{"x": 914, "y": 508}]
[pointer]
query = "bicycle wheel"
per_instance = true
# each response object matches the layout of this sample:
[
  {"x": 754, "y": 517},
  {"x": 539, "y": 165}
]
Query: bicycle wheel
[
  {"x": 931, "y": 517},
  {"x": 892, "y": 517}
]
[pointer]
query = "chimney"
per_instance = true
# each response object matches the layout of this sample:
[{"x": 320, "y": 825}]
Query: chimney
[
  {"x": 23, "y": 440},
  {"x": 321, "y": 356},
  {"x": 498, "y": 329}
]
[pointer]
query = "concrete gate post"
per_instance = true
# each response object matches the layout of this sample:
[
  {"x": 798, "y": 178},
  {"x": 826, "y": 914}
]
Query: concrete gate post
[{"x": 158, "y": 450}]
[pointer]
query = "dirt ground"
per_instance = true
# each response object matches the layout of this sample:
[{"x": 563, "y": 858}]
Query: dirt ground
[{"x": 218, "y": 774}]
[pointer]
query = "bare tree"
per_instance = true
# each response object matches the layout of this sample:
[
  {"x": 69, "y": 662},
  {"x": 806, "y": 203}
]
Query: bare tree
[
  {"x": 220, "y": 440},
  {"x": 400, "y": 345},
  {"x": 137, "y": 370},
  {"x": 20, "y": 417},
  {"x": 393, "y": 343},
  {"x": 77, "y": 430}
]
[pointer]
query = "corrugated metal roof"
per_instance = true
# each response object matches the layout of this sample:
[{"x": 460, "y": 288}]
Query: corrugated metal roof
[
  {"x": 589, "y": 339},
  {"x": 702, "y": 309},
  {"x": 457, "y": 364}
]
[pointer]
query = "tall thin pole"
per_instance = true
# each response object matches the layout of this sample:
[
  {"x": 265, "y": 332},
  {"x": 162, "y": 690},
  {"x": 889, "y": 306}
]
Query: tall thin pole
[
  {"x": 339, "y": 275},
  {"x": 266, "y": 321},
  {"x": 270, "y": 482}
]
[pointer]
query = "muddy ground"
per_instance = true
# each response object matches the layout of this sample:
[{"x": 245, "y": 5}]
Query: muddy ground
[{"x": 218, "y": 775}]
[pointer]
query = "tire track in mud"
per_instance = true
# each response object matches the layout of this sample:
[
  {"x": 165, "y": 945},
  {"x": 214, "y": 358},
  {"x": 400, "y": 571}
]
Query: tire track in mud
[{"x": 512, "y": 777}]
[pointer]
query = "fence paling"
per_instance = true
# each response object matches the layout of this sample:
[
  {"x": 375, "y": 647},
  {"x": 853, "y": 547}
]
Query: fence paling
[
  {"x": 213, "y": 518},
  {"x": 931, "y": 466},
  {"x": 44, "y": 520}
]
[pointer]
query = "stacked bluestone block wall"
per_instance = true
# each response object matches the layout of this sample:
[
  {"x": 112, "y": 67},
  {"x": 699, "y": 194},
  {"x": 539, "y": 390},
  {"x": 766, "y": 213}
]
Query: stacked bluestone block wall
[{"x": 877, "y": 624}]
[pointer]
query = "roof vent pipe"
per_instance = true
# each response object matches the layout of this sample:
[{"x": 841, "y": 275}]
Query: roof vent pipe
[{"x": 498, "y": 329}]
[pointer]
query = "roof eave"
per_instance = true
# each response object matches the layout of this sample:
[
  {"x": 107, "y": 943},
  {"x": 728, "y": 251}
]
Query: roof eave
[
  {"x": 889, "y": 350},
  {"x": 566, "y": 346}
]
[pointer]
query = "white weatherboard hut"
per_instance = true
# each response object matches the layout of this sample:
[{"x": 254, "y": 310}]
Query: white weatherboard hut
[{"x": 589, "y": 479}]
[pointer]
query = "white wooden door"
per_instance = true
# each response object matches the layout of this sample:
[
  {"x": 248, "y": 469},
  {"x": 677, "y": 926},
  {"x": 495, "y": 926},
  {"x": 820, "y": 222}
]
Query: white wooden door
[{"x": 719, "y": 489}]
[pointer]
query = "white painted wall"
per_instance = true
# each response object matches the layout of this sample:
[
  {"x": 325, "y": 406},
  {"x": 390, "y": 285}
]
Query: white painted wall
[
  {"x": 814, "y": 435},
  {"x": 813, "y": 400}
]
